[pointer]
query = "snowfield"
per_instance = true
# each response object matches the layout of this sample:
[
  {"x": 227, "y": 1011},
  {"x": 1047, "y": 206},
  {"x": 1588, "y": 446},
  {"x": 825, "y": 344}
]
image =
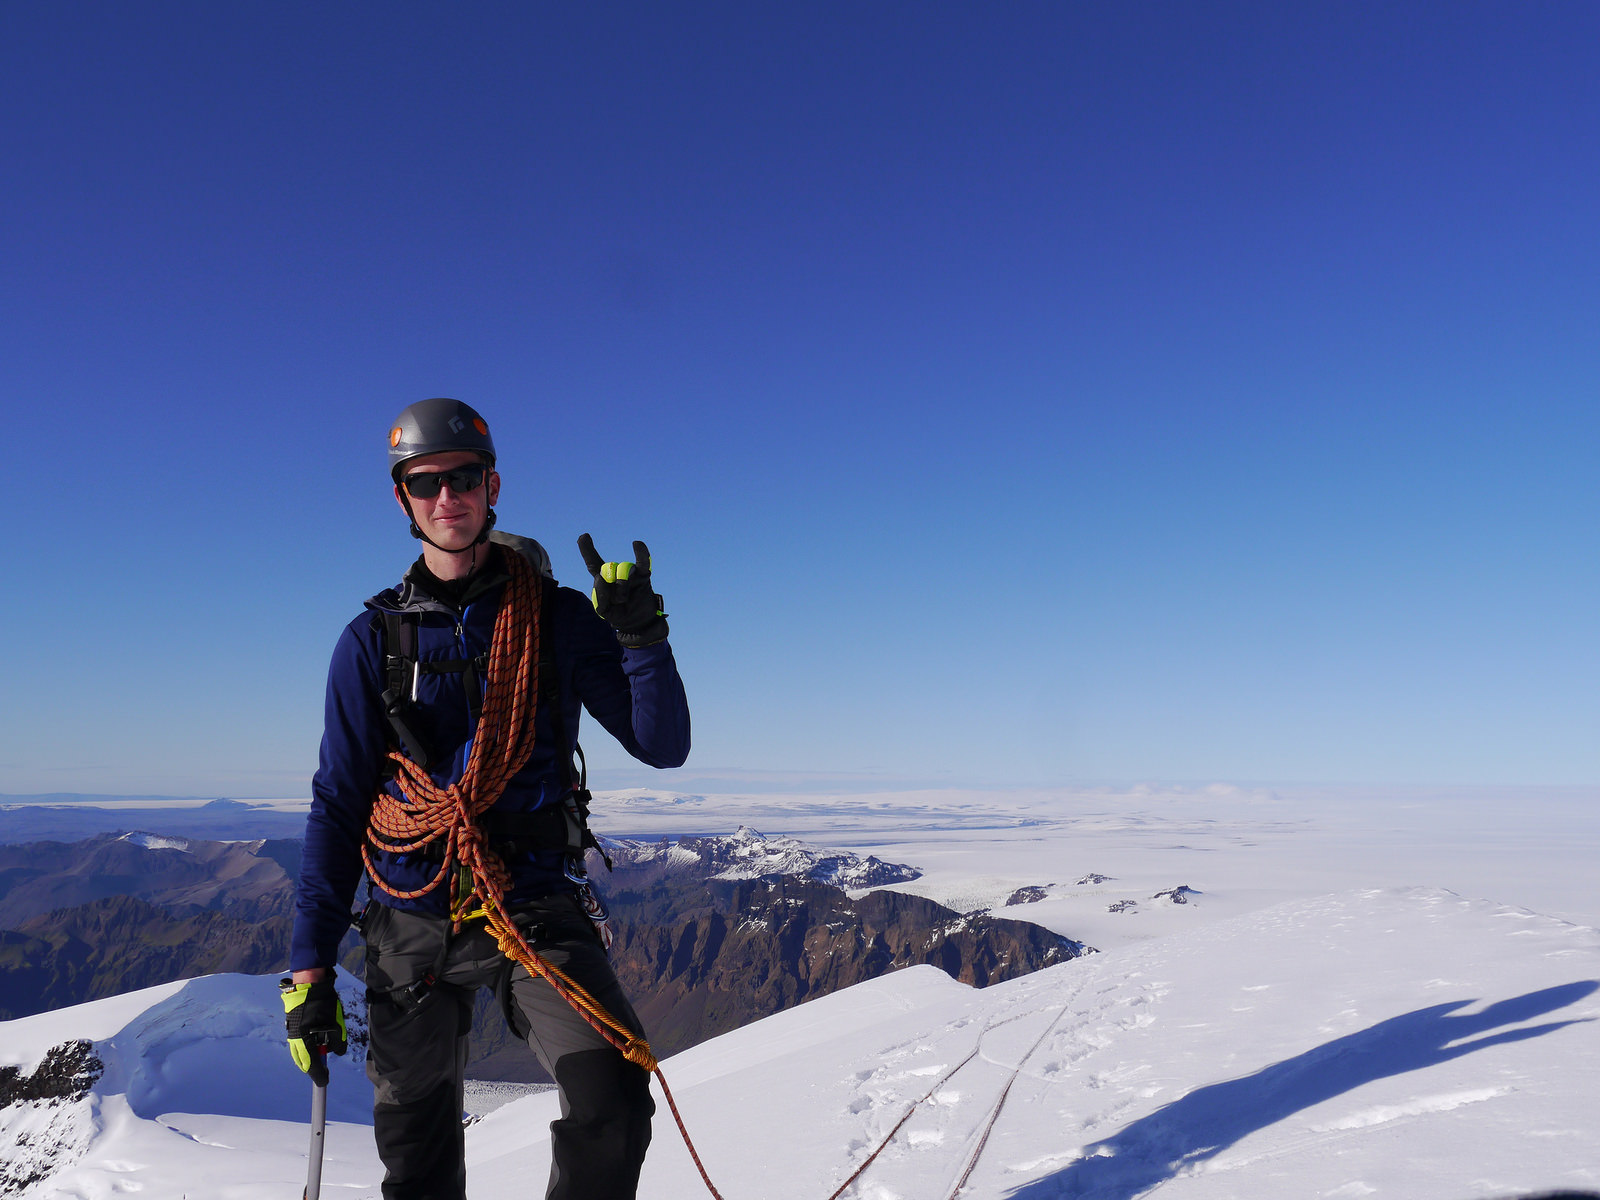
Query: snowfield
[
  {"x": 1422, "y": 1039},
  {"x": 1398, "y": 1043}
]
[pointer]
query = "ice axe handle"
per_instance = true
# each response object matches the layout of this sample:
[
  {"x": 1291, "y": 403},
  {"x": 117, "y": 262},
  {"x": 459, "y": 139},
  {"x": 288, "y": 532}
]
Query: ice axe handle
[
  {"x": 319, "y": 1068},
  {"x": 319, "y": 1123}
]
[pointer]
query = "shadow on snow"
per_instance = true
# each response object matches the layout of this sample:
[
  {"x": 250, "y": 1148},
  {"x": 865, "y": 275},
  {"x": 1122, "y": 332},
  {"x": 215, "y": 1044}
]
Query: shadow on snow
[{"x": 1200, "y": 1125}]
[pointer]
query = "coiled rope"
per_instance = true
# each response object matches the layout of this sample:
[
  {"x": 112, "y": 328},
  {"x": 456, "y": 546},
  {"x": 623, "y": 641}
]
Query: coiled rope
[{"x": 427, "y": 813}]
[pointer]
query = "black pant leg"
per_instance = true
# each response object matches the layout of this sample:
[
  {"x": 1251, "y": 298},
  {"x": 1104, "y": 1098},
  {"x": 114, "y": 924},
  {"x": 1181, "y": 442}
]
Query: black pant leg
[
  {"x": 598, "y": 1143},
  {"x": 416, "y": 1059}
]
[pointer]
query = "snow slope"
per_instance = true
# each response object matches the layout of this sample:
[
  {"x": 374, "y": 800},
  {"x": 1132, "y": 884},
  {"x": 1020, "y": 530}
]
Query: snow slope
[
  {"x": 1302, "y": 1028},
  {"x": 1387, "y": 1043},
  {"x": 198, "y": 1097},
  {"x": 1403, "y": 1043}
]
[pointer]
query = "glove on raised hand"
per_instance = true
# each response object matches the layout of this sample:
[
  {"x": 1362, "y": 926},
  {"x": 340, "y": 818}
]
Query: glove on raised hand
[
  {"x": 314, "y": 1020},
  {"x": 623, "y": 596}
]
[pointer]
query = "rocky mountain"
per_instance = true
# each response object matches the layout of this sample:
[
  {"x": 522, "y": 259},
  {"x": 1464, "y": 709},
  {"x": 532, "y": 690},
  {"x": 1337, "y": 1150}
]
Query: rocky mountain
[
  {"x": 712, "y": 932},
  {"x": 249, "y": 880},
  {"x": 706, "y": 960},
  {"x": 35, "y": 1151},
  {"x": 115, "y": 912},
  {"x": 37, "y": 819},
  {"x": 121, "y": 943},
  {"x": 746, "y": 854}
]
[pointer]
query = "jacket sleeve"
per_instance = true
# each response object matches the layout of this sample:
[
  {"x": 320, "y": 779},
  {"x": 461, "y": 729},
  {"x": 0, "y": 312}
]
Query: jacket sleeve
[
  {"x": 349, "y": 772},
  {"x": 636, "y": 695}
]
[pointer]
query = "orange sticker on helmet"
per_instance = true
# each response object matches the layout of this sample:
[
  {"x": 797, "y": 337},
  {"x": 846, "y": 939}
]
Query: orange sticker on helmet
[
  {"x": 478, "y": 424},
  {"x": 395, "y": 435}
]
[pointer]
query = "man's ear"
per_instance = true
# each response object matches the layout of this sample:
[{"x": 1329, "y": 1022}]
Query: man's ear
[
  {"x": 401, "y": 500},
  {"x": 494, "y": 488}
]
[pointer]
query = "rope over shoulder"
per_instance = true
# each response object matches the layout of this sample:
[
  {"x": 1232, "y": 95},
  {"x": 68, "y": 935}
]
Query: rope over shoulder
[{"x": 426, "y": 813}]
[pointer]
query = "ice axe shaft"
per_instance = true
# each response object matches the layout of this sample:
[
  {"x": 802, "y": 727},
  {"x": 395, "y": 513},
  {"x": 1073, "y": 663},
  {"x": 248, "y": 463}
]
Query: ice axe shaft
[{"x": 319, "y": 1124}]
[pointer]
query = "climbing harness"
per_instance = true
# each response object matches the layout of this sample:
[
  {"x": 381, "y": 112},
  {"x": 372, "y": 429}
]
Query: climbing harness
[
  {"x": 427, "y": 815},
  {"x": 403, "y": 667}
]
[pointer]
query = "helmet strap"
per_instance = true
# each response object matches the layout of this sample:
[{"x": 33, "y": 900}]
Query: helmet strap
[{"x": 416, "y": 530}]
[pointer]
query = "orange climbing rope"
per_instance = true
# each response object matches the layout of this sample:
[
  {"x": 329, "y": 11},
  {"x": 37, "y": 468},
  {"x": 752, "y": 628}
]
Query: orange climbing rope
[{"x": 428, "y": 813}]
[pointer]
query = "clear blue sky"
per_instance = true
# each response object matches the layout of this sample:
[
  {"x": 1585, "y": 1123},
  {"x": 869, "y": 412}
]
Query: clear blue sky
[{"x": 1036, "y": 393}]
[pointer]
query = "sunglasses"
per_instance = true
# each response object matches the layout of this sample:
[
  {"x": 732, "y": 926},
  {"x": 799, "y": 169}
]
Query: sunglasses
[{"x": 425, "y": 485}]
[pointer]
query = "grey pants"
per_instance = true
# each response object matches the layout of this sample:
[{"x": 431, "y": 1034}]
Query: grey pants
[{"x": 418, "y": 1051}]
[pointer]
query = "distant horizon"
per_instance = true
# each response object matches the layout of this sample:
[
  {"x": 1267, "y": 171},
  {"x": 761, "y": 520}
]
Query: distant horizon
[{"x": 803, "y": 786}]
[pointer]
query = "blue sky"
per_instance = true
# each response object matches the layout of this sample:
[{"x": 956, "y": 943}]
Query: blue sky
[{"x": 1011, "y": 393}]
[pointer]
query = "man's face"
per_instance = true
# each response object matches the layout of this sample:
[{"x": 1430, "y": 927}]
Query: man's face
[{"x": 452, "y": 519}]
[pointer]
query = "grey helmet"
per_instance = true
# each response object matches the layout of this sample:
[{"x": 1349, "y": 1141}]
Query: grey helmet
[{"x": 433, "y": 426}]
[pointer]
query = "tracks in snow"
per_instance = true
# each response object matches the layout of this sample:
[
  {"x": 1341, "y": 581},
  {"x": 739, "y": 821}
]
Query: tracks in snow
[
  {"x": 1000, "y": 1101},
  {"x": 993, "y": 1115}
]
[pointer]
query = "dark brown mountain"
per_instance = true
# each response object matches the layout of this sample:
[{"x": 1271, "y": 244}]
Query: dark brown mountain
[
  {"x": 118, "y": 912},
  {"x": 121, "y": 944},
  {"x": 738, "y": 951},
  {"x": 249, "y": 880},
  {"x": 701, "y": 953},
  {"x": 702, "y": 956}
]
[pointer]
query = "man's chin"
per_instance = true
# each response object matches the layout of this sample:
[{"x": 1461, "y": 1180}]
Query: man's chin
[{"x": 452, "y": 541}]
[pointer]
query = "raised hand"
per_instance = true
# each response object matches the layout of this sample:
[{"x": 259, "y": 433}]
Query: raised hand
[{"x": 623, "y": 595}]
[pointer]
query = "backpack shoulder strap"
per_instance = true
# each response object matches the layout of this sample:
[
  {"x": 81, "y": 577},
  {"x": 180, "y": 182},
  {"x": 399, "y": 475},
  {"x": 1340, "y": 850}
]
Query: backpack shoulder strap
[
  {"x": 548, "y": 675},
  {"x": 399, "y": 652},
  {"x": 575, "y": 776},
  {"x": 399, "y": 679}
]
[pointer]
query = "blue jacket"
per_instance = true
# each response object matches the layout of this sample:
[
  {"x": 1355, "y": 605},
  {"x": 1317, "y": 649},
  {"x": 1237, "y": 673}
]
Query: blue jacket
[{"x": 635, "y": 694}]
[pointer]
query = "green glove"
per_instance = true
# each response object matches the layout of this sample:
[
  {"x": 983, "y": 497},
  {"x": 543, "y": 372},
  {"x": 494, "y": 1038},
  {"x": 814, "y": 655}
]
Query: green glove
[
  {"x": 314, "y": 1020},
  {"x": 623, "y": 595}
]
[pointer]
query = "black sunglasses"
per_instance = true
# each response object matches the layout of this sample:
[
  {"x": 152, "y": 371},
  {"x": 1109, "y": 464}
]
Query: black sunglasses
[{"x": 425, "y": 485}]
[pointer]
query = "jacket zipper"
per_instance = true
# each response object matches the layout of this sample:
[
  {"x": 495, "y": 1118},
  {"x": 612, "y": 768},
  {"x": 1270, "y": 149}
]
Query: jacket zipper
[{"x": 461, "y": 647}]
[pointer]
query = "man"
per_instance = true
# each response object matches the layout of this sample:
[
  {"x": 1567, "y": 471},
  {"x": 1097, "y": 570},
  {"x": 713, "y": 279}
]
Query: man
[{"x": 457, "y": 812}]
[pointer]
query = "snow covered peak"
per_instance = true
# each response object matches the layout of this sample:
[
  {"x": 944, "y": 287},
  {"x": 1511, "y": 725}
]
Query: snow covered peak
[
  {"x": 749, "y": 854},
  {"x": 156, "y": 841}
]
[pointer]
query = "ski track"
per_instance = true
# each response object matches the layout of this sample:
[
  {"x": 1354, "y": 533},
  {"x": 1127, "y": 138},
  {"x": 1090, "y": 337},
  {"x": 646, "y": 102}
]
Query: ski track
[
  {"x": 1094, "y": 1078},
  {"x": 1000, "y": 1057}
]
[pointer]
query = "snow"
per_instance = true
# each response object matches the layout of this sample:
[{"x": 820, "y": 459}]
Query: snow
[
  {"x": 749, "y": 854},
  {"x": 483, "y": 1096},
  {"x": 1286, "y": 1053},
  {"x": 197, "y": 1086},
  {"x": 155, "y": 841},
  {"x": 1362, "y": 996}
]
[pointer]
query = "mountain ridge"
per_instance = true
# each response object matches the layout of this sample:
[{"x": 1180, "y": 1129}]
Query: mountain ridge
[{"x": 712, "y": 932}]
